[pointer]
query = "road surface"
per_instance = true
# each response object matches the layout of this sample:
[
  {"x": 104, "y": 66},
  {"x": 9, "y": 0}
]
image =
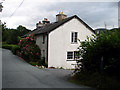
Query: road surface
[{"x": 16, "y": 73}]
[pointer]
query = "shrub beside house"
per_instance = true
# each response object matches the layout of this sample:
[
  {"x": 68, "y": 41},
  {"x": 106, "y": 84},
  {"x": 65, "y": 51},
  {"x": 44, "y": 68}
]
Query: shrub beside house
[
  {"x": 100, "y": 57},
  {"x": 29, "y": 51}
]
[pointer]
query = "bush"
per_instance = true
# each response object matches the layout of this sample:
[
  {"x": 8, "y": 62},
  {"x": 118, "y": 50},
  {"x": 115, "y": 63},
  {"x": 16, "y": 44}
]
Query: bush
[
  {"x": 29, "y": 50},
  {"x": 42, "y": 61},
  {"x": 96, "y": 80},
  {"x": 13, "y": 48},
  {"x": 33, "y": 63},
  {"x": 101, "y": 53},
  {"x": 45, "y": 64},
  {"x": 7, "y": 46}
]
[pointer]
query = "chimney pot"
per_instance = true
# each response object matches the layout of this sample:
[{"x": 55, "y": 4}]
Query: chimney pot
[
  {"x": 45, "y": 21},
  {"x": 39, "y": 24},
  {"x": 60, "y": 16}
]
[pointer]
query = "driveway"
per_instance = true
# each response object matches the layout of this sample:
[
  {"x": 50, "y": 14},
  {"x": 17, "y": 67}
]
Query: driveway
[{"x": 16, "y": 73}]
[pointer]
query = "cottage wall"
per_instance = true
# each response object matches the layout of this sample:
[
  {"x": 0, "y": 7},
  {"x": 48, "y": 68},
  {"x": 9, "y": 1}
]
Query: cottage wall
[
  {"x": 60, "y": 42},
  {"x": 42, "y": 46}
]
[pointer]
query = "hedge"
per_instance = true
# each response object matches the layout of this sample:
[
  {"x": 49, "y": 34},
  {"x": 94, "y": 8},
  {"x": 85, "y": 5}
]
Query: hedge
[
  {"x": 13, "y": 48},
  {"x": 101, "y": 53}
]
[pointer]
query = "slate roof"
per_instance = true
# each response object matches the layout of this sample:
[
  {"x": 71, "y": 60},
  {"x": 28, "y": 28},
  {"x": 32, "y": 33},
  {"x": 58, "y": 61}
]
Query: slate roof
[{"x": 52, "y": 26}]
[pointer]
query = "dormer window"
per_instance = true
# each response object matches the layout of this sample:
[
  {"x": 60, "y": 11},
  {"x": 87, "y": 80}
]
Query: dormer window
[{"x": 74, "y": 36}]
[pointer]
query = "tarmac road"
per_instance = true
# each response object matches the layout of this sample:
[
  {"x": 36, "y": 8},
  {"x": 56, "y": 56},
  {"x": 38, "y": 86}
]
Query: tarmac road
[{"x": 16, "y": 73}]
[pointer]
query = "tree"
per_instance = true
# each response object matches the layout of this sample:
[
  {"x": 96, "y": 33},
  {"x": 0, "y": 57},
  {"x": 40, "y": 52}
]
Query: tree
[
  {"x": 4, "y": 32},
  {"x": 22, "y": 30},
  {"x": 11, "y": 35},
  {"x": 101, "y": 53},
  {"x": 1, "y": 6}
]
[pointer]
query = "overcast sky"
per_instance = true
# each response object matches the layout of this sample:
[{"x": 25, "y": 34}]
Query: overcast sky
[{"x": 31, "y": 12}]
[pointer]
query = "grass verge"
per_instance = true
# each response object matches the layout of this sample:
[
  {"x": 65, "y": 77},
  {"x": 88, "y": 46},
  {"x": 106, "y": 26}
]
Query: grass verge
[{"x": 96, "y": 80}]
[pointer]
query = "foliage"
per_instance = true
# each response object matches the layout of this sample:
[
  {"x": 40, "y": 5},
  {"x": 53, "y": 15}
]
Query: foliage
[
  {"x": 29, "y": 50},
  {"x": 33, "y": 63},
  {"x": 13, "y": 48},
  {"x": 101, "y": 53},
  {"x": 11, "y": 35},
  {"x": 96, "y": 80},
  {"x": 45, "y": 64},
  {"x": 4, "y": 32},
  {"x": 1, "y": 7},
  {"x": 42, "y": 61},
  {"x": 6, "y": 46}
]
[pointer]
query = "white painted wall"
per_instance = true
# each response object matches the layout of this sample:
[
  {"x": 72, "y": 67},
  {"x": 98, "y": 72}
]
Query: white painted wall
[
  {"x": 60, "y": 42},
  {"x": 39, "y": 40}
]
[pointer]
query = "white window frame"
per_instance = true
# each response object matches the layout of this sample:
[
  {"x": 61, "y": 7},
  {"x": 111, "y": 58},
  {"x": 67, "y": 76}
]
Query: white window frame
[
  {"x": 72, "y": 56},
  {"x": 78, "y": 57},
  {"x": 73, "y": 37}
]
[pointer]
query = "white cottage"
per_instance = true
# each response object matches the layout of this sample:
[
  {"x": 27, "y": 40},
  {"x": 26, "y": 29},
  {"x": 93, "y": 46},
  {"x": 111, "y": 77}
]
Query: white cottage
[{"x": 58, "y": 41}]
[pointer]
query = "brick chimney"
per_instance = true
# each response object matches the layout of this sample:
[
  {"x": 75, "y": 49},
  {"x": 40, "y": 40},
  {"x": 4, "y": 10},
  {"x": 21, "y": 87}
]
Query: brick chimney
[
  {"x": 60, "y": 16},
  {"x": 39, "y": 24},
  {"x": 45, "y": 21}
]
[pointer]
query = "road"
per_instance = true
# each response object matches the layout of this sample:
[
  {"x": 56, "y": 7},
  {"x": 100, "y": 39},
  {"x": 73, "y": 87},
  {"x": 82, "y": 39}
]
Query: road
[{"x": 16, "y": 73}]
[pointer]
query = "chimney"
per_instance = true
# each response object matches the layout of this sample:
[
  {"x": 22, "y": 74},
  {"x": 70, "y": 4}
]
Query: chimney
[
  {"x": 39, "y": 24},
  {"x": 60, "y": 16},
  {"x": 45, "y": 21}
]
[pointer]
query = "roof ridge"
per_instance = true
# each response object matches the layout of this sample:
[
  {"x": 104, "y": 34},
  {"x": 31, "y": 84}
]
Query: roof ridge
[{"x": 52, "y": 26}]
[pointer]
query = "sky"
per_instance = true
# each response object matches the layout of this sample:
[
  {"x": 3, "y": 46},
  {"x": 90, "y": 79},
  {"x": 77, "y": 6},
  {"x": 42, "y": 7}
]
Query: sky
[{"x": 29, "y": 12}]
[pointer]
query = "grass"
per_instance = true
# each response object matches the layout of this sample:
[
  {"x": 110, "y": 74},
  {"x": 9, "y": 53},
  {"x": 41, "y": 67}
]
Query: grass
[
  {"x": 96, "y": 80},
  {"x": 33, "y": 63},
  {"x": 36, "y": 63}
]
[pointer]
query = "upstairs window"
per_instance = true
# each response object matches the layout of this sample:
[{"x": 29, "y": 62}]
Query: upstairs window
[{"x": 74, "y": 37}]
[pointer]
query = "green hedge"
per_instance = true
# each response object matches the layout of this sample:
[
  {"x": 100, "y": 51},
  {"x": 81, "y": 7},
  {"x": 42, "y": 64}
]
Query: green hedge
[
  {"x": 102, "y": 53},
  {"x": 6, "y": 46},
  {"x": 13, "y": 48}
]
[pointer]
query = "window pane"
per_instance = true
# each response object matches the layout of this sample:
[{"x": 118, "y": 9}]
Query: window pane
[
  {"x": 69, "y": 55},
  {"x": 75, "y": 34},
  {"x": 76, "y": 55},
  {"x": 72, "y": 37},
  {"x": 75, "y": 37}
]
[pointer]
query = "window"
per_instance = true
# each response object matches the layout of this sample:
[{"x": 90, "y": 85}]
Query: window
[
  {"x": 43, "y": 39},
  {"x": 76, "y": 55},
  {"x": 73, "y": 55},
  {"x": 69, "y": 55},
  {"x": 74, "y": 37}
]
